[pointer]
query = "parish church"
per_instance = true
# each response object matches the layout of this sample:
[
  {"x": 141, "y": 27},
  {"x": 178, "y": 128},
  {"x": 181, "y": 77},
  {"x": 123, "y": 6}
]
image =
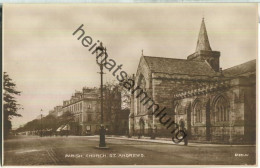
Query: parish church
[{"x": 214, "y": 104}]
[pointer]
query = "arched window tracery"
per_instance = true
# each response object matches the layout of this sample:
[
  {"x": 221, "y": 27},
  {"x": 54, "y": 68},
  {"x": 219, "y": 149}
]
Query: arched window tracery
[
  {"x": 198, "y": 112},
  {"x": 221, "y": 109}
]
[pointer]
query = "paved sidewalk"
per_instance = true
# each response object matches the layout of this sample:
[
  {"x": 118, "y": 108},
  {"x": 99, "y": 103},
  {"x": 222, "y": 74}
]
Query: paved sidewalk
[{"x": 167, "y": 141}]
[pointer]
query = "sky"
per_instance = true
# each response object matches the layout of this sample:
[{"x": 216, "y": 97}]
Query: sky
[{"x": 48, "y": 63}]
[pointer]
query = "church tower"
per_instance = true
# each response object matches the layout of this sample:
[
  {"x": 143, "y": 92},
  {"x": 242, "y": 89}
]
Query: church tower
[{"x": 203, "y": 50}]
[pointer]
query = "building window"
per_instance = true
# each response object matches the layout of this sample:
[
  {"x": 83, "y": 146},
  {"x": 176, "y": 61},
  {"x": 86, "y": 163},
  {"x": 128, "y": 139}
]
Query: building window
[
  {"x": 81, "y": 106},
  {"x": 88, "y": 127},
  {"x": 89, "y": 117},
  {"x": 84, "y": 118},
  {"x": 80, "y": 118},
  {"x": 89, "y": 106},
  {"x": 198, "y": 112},
  {"x": 97, "y": 128},
  {"x": 221, "y": 109}
]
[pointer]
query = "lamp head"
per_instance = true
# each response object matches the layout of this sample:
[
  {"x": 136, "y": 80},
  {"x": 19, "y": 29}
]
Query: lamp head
[{"x": 100, "y": 53}]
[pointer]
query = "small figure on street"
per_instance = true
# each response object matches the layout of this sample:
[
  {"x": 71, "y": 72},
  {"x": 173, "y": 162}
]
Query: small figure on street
[
  {"x": 182, "y": 124},
  {"x": 186, "y": 137},
  {"x": 139, "y": 135},
  {"x": 102, "y": 142}
]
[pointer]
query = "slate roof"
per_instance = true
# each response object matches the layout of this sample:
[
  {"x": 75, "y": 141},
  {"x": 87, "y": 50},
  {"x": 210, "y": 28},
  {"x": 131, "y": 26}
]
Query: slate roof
[
  {"x": 241, "y": 69},
  {"x": 179, "y": 66}
]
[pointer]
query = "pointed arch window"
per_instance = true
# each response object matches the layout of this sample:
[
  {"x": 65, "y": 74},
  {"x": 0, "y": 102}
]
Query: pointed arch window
[
  {"x": 221, "y": 109},
  {"x": 142, "y": 85}
]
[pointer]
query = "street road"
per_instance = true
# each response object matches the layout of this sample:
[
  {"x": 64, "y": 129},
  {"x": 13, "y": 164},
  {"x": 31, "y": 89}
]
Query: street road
[{"x": 73, "y": 150}]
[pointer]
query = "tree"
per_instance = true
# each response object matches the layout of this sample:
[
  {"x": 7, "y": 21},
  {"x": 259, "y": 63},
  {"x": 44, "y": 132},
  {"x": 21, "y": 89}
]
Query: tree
[
  {"x": 11, "y": 106},
  {"x": 125, "y": 94},
  {"x": 48, "y": 122},
  {"x": 67, "y": 117},
  {"x": 126, "y": 98}
]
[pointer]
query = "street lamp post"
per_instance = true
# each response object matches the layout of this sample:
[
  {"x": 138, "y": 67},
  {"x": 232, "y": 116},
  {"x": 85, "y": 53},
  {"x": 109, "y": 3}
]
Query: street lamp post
[
  {"x": 102, "y": 140},
  {"x": 41, "y": 123}
]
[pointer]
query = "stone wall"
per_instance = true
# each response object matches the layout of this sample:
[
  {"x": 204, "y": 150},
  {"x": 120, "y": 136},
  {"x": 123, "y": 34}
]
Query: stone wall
[{"x": 241, "y": 125}]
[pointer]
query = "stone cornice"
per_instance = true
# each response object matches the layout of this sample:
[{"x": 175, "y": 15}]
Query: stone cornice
[
  {"x": 177, "y": 76},
  {"x": 202, "y": 90}
]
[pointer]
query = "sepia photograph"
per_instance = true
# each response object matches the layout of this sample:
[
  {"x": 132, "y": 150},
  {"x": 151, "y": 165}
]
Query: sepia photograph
[{"x": 129, "y": 84}]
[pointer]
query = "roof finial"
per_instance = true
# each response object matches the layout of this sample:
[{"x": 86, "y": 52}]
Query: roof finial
[{"x": 142, "y": 52}]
